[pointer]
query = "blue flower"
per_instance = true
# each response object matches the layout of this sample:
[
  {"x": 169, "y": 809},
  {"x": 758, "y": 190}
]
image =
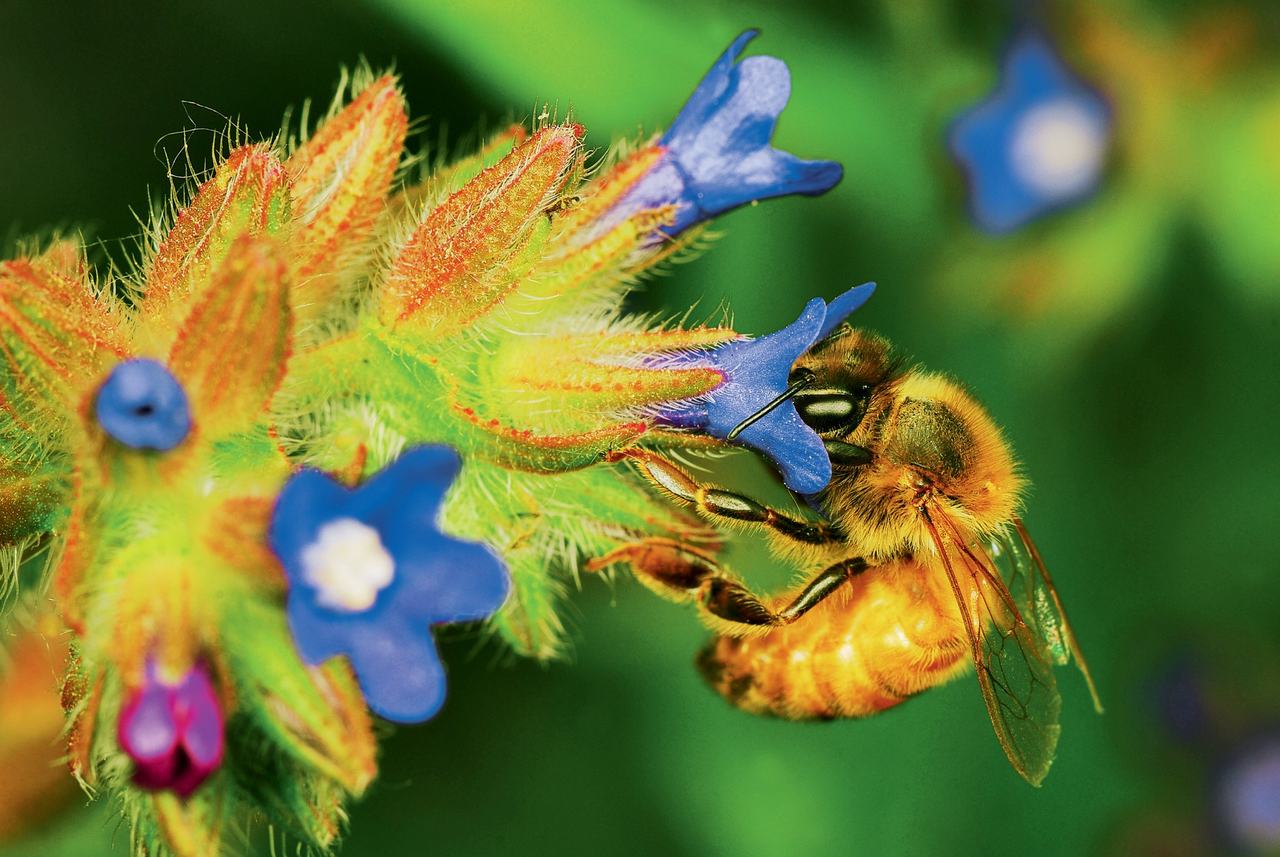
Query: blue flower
[
  {"x": 757, "y": 373},
  {"x": 143, "y": 406},
  {"x": 1037, "y": 144},
  {"x": 1246, "y": 796},
  {"x": 370, "y": 572},
  {"x": 717, "y": 154}
]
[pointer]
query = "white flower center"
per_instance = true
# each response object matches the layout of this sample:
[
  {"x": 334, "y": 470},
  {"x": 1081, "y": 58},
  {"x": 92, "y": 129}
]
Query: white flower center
[
  {"x": 347, "y": 565},
  {"x": 1058, "y": 148}
]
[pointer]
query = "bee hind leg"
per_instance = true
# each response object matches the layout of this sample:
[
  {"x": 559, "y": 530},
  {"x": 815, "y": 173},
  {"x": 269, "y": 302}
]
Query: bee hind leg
[
  {"x": 719, "y": 503},
  {"x": 683, "y": 573}
]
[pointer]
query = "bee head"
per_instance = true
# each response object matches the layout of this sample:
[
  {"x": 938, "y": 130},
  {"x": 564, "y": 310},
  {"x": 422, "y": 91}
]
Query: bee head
[
  {"x": 899, "y": 440},
  {"x": 835, "y": 384}
]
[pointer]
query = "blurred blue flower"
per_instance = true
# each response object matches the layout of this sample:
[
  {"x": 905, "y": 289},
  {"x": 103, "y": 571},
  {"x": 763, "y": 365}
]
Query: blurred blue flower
[
  {"x": 370, "y": 572},
  {"x": 1038, "y": 143},
  {"x": 717, "y": 154},
  {"x": 1178, "y": 697},
  {"x": 757, "y": 372},
  {"x": 143, "y": 406},
  {"x": 1247, "y": 796}
]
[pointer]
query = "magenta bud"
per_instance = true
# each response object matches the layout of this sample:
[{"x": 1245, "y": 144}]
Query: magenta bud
[{"x": 173, "y": 732}]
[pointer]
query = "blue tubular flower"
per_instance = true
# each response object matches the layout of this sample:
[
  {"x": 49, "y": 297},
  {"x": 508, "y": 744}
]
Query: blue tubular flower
[
  {"x": 717, "y": 154},
  {"x": 369, "y": 573},
  {"x": 1038, "y": 143},
  {"x": 756, "y": 373},
  {"x": 143, "y": 406}
]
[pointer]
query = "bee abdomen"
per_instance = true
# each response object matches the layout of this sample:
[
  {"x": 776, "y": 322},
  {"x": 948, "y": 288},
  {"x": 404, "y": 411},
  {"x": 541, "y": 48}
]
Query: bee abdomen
[
  {"x": 882, "y": 642},
  {"x": 790, "y": 682}
]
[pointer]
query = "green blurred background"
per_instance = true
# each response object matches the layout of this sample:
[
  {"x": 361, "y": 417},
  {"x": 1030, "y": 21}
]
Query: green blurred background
[{"x": 1129, "y": 346}]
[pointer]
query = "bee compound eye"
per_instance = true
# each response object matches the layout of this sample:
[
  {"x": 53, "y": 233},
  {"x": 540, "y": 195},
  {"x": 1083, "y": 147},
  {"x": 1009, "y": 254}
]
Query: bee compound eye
[{"x": 832, "y": 409}]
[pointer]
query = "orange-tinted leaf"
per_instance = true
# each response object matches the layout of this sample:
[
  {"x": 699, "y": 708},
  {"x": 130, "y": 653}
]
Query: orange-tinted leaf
[
  {"x": 81, "y": 700},
  {"x": 523, "y": 449},
  {"x": 29, "y": 501},
  {"x": 55, "y": 336},
  {"x": 33, "y": 786},
  {"x": 193, "y": 827},
  {"x": 613, "y": 343},
  {"x": 605, "y": 192},
  {"x": 451, "y": 178},
  {"x": 248, "y": 195},
  {"x": 316, "y": 715},
  {"x": 458, "y": 262},
  {"x": 582, "y": 271},
  {"x": 65, "y": 256},
  {"x": 341, "y": 177},
  {"x": 237, "y": 533},
  {"x": 567, "y": 372},
  {"x": 231, "y": 352}
]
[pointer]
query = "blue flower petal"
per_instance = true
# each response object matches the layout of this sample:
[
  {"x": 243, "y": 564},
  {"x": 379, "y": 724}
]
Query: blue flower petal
[
  {"x": 399, "y": 671},
  {"x": 318, "y": 633},
  {"x": 844, "y": 306},
  {"x": 711, "y": 88},
  {"x": 718, "y": 155},
  {"x": 448, "y": 581},
  {"x": 759, "y": 368},
  {"x": 436, "y": 578},
  {"x": 757, "y": 372},
  {"x": 143, "y": 406},
  {"x": 307, "y": 501},
  {"x": 406, "y": 496},
  {"x": 1037, "y": 144}
]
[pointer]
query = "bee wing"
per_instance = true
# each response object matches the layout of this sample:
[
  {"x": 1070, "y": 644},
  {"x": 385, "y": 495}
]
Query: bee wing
[
  {"x": 1014, "y": 673},
  {"x": 1037, "y": 598}
]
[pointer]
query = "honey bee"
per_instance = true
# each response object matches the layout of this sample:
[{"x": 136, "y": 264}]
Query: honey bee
[{"x": 923, "y": 566}]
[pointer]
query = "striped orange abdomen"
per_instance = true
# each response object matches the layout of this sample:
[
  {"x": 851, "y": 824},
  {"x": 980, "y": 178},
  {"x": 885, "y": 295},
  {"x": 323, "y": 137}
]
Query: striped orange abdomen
[{"x": 891, "y": 633}]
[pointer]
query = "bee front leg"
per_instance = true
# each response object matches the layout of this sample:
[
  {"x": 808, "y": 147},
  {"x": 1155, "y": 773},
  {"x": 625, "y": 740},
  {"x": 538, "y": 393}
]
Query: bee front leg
[
  {"x": 717, "y": 502},
  {"x": 683, "y": 573}
]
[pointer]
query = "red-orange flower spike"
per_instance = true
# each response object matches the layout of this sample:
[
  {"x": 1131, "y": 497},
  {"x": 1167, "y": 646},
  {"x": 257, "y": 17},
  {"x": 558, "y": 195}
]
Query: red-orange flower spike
[
  {"x": 248, "y": 195},
  {"x": 231, "y": 352},
  {"x": 341, "y": 176},
  {"x": 457, "y": 265},
  {"x": 54, "y": 336}
]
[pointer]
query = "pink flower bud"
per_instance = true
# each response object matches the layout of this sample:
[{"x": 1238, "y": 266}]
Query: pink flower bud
[{"x": 173, "y": 732}]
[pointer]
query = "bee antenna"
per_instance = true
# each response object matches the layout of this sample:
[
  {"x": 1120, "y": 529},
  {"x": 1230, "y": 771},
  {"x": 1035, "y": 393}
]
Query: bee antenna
[{"x": 805, "y": 379}]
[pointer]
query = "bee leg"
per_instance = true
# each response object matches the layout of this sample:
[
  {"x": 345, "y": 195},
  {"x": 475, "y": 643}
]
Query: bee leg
[
  {"x": 732, "y": 602},
  {"x": 671, "y": 569},
  {"x": 711, "y": 500},
  {"x": 683, "y": 573}
]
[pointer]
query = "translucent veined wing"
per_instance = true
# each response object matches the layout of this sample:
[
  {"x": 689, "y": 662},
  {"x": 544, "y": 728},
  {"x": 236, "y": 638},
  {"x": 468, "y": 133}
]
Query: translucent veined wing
[
  {"x": 1033, "y": 591},
  {"x": 1014, "y": 667}
]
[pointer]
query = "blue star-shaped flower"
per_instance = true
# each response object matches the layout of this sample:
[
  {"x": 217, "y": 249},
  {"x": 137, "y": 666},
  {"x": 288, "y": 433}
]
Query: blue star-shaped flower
[
  {"x": 756, "y": 373},
  {"x": 1037, "y": 144},
  {"x": 717, "y": 154},
  {"x": 370, "y": 572},
  {"x": 143, "y": 406}
]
